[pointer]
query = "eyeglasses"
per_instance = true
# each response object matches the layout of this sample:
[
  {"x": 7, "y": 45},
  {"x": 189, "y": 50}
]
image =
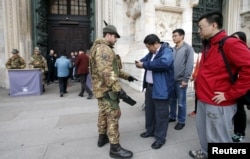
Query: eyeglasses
[
  {"x": 202, "y": 28},
  {"x": 174, "y": 36}
]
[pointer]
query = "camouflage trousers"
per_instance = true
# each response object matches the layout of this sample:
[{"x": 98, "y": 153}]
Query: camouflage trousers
[{"x": 108, "y": 119}]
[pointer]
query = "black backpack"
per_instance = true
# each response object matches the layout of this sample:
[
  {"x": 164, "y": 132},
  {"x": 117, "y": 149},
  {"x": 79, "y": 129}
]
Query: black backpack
[{"x": 245, "y": 99}]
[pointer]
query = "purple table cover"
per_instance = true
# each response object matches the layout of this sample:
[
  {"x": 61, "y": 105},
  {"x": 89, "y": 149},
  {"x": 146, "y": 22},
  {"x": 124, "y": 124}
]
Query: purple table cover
[{"x": 25, "y": 82}]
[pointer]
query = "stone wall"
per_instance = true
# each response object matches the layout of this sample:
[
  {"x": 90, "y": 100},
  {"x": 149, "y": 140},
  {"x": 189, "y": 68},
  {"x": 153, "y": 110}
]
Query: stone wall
[{"x": 245, "y": 24}]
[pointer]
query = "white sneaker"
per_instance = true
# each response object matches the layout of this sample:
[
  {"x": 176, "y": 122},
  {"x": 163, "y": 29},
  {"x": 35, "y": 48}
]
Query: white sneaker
[
  {"x": 238, "y": 137},
  {"x": 198, "y": 154}
]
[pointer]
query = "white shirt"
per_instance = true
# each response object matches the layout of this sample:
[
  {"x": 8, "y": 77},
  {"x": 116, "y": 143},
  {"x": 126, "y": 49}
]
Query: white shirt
[{"x": 149, "y": 75}]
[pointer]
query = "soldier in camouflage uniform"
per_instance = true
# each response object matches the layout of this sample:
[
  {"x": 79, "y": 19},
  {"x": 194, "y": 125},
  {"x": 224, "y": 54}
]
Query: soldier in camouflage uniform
[
  {"x": 15, "y": 62},
  {"x": 105, "y": 72},
  {"x": 38, "y": 61}
]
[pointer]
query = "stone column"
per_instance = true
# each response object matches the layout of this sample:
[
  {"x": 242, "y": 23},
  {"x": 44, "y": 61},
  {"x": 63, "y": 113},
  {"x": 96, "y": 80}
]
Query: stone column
[
  {"x": 104, "y": 11},
  {"x": 17, "y": 31},
  {"x": 231, "y": 11}
]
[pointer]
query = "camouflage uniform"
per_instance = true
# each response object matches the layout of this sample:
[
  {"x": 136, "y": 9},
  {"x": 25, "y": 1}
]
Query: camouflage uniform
[
  {"x": 104, "y": 74},
  {"x": 15, "y": 62},
  {"x": 119, "y": 61},
  {"x": 38, "y": 61}
]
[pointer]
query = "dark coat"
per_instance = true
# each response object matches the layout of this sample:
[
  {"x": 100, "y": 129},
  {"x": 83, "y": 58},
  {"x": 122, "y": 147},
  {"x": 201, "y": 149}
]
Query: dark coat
[
  {"x": 51, "y": 62},
  {"x": 82, "y": 64}
]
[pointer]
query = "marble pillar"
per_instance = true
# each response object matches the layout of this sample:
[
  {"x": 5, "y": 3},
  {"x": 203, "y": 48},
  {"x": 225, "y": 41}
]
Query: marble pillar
[{"x": 16, "y": 20}]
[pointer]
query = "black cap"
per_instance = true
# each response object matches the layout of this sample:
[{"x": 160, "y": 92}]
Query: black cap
[{"x": 14, "y": 51}]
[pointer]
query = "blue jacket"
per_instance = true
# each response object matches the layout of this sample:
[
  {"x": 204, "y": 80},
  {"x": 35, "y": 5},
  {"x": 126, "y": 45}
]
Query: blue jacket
[
  {"x": 162, "y": 70},
  {"x": 63, "y": 65}
]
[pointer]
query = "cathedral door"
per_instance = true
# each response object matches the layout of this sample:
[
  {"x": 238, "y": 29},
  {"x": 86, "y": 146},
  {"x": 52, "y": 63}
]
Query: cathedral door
[{"x": 68, "y": 25}]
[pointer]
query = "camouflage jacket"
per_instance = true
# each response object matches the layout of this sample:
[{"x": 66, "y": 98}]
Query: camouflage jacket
[
  {"x": 105, "y": 72},
  {"x": 16, "y": 62},
  {"x": 38, "y": 61}
]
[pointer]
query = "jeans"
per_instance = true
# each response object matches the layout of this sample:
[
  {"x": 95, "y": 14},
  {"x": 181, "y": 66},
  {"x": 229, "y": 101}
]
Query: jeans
[{"x": 178, "y": 97}]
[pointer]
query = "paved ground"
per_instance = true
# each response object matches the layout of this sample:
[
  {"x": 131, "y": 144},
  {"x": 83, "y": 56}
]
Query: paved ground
[{"x": 50, "y": 127}]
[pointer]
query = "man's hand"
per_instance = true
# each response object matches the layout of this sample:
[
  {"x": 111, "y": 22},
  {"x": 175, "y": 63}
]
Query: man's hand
[
  {"x": 132, "y": 79},
  {"x": 183, "y": 84},
  {"x": 139, "y": 64},
  {"x": 219, "y": 97},
  {"x": 122, "y": 94},
  {"x": 125, "y": 98}
]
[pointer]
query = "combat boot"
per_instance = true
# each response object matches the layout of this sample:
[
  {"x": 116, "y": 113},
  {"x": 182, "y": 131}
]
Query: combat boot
[
  {"x": 116, "y": 151},
  {"x": 102, "y": 140}
]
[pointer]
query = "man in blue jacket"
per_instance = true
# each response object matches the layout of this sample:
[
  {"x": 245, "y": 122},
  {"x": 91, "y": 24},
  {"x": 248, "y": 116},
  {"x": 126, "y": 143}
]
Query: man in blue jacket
[
  {"x": 159, "y": 82},
  {"x": 63, "y": 66}
]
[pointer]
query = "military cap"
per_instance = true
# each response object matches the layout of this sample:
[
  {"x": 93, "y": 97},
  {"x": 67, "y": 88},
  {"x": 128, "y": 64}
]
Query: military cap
[
  {"x": 36, "y": 49},
  {"x": 14, "y": 51},
  {"x": 111, "y": 29}
]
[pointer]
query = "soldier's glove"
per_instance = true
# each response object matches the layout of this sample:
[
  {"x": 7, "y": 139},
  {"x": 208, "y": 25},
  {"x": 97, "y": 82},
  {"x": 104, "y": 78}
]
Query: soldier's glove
[
  {"x": 122, "y": 94},
  {"x": 132, "y": 79},
  {"x": 125, "y": 98}
]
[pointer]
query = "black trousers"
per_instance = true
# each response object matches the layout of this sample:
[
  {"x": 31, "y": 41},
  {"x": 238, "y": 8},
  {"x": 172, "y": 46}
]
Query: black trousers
[
  {"x": 84, "y": 86},
  {"x": 195, "y": 103},
  {"x": 50, "y": 76},
  {"x": 240, "y": 119},
  {"x": 63, "y": 84},
  {"x": 156, "y": 115}
]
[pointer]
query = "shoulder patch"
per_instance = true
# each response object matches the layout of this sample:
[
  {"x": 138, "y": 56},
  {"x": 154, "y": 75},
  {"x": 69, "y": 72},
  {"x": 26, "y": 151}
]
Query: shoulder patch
[{"x": 105, "y": 56}]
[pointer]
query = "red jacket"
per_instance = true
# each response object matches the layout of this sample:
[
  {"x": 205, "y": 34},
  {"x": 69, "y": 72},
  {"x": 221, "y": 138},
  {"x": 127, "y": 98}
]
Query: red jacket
[
  {"x": 213, "y": 76},
  {"x": 82, "y": 64}
]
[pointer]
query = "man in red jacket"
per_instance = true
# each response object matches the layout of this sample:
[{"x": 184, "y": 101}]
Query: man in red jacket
[
  {"x": 216, "y": 94},
  {"x": 82, "y": 64}
]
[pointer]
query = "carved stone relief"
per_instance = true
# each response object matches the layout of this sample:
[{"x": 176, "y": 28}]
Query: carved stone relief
[
  {"x": 245, "y": 19},
  {"x": 178, "y": 3},
  {"x": 133, "y": 12},
  {"x": 194, "y": 3},
  {"x": 245, "y": 24},
  {"x": 166, "y": 22},
  {"x": 133, "y": 9}
]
